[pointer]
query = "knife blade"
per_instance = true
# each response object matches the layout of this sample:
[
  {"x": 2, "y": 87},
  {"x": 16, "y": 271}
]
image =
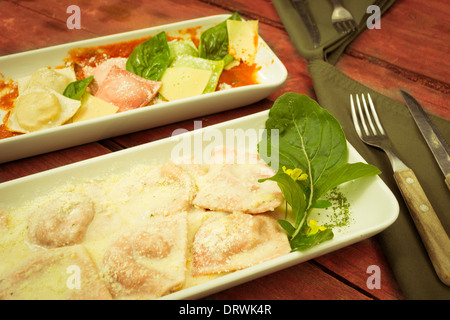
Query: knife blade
[
  {"x": 433, "y": 138},
  {"x": 305, "y": 14}
]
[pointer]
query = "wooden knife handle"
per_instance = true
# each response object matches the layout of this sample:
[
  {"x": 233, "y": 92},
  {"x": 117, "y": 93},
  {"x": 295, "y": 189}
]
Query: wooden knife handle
[{"x": 429, "y": 227}]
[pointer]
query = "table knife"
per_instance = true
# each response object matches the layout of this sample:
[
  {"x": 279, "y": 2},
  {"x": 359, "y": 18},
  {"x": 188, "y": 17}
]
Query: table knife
[
  {"x": 305, "y": 14},
  {"x": 432, "y": 136}
]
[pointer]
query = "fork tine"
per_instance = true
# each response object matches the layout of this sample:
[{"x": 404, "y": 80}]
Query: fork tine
[
  {"x": 368, "y": 115},
  {"x": 361, "y": 117},
  {"x": 375, "y": 115},
  {"x": 355, "y": 117},
  {"x": 347, "y": 26},
  {"x": 342, "y": 19},
  {"x": 338, "y": 27}
]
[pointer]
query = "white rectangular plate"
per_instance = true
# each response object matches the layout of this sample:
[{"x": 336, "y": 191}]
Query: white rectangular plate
[
  {"x": 373, "y": 206},
  {"x": 272, "y": 75}
]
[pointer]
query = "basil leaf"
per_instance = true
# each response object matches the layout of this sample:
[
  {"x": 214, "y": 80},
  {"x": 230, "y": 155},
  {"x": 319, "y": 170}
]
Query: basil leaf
[
  {"x": 151, "y": 58},
  {"x": 76, "y": 89},
  {"x": 214, "y": 41}
]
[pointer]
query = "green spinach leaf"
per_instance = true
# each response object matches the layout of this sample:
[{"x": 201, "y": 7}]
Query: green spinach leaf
[
  {"x": 76, "y": 89},
  {"x": 151, "y": 58}
]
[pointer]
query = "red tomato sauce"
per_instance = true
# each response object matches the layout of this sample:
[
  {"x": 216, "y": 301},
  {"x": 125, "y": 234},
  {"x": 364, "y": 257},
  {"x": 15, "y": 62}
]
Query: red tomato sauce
[
  {"x": 9, "y": 93},
  {"x": 239, "y": 76}
]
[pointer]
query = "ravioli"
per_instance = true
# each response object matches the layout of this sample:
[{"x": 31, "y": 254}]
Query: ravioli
[
  {"x": 41, "y": 104},
  {"x": 55, "y": 79},
  {"x": 101, "y": 71},
  {"x": 232, "y": 184},
  {"x": 126, "y": 90},
  {"x": 230, "y": 242},
  {"x": 149, "y": 260},
  {"x": 50, "y": 274},
  {"x": 62, "y": 221},
  {"x": 41, "y": 108},
  {"x": 172, "y": 186}
]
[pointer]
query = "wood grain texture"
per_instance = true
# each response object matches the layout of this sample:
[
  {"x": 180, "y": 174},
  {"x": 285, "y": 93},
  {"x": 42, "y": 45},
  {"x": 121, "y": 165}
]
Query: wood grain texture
[
  {"x": 305, "y": 281},
  {"x": 24, "y": 167},
  {"x": 431, "y": 231},
  {"x": 347, "y": 263}
]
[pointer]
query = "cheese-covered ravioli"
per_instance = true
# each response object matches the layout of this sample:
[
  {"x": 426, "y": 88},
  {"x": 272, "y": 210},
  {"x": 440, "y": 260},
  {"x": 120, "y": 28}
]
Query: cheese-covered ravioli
[
  {"x": 38, "y": 109},
  {"x": 50, "y": 274},
  {"x": 62, "y": 221},
  {"x": 149, "y": 260},
  {"x": 232, "y": 184},
  {"x": 165, "y": 190},
  {"x": 229, "y": 242}
]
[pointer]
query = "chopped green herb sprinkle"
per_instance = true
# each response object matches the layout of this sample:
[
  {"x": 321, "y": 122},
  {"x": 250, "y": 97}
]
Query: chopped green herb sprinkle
[{"x": 341, "y": 215}]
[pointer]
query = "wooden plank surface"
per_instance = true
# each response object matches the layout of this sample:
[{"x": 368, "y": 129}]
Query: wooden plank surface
[{"x": 384, "y": 60}]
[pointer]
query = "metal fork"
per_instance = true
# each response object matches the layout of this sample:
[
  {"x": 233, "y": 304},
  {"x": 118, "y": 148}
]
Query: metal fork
[
  {"x": 434, "y": 237},
  {"x": 342, "y": 19}
]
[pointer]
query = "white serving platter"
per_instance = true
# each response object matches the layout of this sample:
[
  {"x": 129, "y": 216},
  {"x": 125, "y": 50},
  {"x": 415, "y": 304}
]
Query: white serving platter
[
  {"x": 272, "y": 76},
  {"x": 373, "y": 206}
]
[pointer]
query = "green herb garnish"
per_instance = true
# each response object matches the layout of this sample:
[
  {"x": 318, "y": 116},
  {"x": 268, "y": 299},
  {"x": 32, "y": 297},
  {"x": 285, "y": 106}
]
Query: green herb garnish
[
  {"x": 76, "y": 89},
  {"x": 310, "y": 141},
  {"x": 151, "y": 58}
]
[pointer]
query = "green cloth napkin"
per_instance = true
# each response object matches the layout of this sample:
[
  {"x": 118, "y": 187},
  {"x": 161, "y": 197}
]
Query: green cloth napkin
[
  {"x": 332, "y": 43},
  {"x": 400, "y": 242}
]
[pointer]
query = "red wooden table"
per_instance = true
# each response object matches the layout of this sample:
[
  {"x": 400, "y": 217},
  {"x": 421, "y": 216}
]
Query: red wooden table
[{"x": 384, "y": 60}]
